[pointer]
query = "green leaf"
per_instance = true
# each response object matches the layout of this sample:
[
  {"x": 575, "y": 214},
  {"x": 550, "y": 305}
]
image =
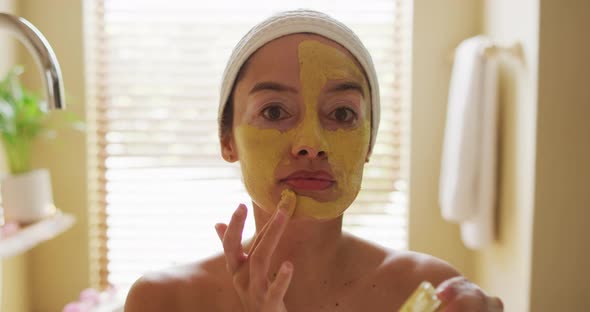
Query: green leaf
[{"x": 23, "y": 118}]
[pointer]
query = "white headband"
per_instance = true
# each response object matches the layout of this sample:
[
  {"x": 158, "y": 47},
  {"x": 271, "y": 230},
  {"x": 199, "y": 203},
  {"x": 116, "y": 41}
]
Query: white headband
[{"x": 301, "y": 21}]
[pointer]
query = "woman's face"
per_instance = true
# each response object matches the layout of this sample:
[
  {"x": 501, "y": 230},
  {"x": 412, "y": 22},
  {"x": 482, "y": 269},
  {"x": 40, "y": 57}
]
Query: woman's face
[{"x": 301, "y": 122}]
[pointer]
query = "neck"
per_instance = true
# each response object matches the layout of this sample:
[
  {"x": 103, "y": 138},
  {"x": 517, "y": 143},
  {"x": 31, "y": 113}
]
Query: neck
[{"x": 310, "y": 245}]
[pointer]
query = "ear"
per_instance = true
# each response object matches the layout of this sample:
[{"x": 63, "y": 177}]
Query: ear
[{"x": 228, "y": 148}]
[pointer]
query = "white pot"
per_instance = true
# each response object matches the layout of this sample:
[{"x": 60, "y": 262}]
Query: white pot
[{"x": 27, "y": 197}]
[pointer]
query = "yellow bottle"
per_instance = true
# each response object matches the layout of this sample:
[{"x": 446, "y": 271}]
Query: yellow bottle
[{"x": 423, "y": 299}]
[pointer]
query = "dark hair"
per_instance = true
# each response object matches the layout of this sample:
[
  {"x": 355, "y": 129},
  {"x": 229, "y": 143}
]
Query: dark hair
[{"x": 227, "y": 116}]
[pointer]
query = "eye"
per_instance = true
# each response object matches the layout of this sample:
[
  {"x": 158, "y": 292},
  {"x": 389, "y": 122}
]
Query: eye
[
  {"x": 275, "y": 113},
  {"x": 343, "y": 115}
]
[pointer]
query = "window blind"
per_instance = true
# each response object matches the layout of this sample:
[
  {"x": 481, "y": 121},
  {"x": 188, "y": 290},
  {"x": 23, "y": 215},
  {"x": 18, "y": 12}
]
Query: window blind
[{"x": 157, "y": 181}]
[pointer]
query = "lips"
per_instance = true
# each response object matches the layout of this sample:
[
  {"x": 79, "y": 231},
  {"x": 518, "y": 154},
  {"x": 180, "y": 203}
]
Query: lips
[{"x": 309, "y": 180}]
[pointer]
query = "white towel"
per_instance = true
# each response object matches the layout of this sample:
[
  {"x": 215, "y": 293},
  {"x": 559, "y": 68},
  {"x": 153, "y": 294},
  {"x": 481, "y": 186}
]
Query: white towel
[{"x": 467, "y": 191}]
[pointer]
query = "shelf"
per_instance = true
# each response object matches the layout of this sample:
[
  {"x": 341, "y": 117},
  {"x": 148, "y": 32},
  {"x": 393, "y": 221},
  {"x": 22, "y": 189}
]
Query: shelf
[{"x": 34, "y": 234}]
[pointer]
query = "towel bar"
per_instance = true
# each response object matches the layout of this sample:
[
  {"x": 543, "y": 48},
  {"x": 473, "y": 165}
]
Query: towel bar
[{"x": 515, "y": 50}]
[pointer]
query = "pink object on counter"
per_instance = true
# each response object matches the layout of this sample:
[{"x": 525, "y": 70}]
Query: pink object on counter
[
  {"x": 9, "y": 229},
  {"x": 90, "y": 295},
  {"x": 78, "y": 306},
  {"x": 73, "y": 307},
  {"x": 90, "y": 299}
]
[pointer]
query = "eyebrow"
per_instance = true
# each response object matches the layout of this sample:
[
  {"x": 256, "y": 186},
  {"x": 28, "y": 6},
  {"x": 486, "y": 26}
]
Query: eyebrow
[
  {"x": 348, "y": 85},
  {"x": 272, "y": 86}
]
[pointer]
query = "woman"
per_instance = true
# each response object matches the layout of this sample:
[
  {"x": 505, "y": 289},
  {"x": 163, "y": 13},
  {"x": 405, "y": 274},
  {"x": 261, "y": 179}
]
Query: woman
[{"x": 299, "y": 110}]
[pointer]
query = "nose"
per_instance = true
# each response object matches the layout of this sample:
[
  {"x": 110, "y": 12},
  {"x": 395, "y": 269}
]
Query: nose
[
  {"x": 308, "y": 152},
  {"x": 309, "y": 144}
]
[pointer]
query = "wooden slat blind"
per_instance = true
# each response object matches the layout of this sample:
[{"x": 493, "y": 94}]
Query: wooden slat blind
[{"x": 157, "y": 181}]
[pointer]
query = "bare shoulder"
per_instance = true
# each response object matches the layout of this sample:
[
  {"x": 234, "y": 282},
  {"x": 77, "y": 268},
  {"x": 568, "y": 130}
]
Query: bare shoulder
[
  {"x": 406, "y": 267},
  {"x": 190, "y": 287},
  {"x": 417, "y": 267},
  {"x": 391, "y": 276},
  {"x": 151, "y": 292}
]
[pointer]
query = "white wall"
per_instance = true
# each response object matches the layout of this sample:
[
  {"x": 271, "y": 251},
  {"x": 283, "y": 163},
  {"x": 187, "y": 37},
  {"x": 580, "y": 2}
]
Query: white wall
[
  {"x": 438, "y": 27},
  {"x": 13, "y": 283},
  {"x": 504, "y": 268},
  {"x": 540, "y": 262},
  {"x": 7, "y": 43},
  {"x": 67, "y": 255},
  {"x": 34, "y": 281}
]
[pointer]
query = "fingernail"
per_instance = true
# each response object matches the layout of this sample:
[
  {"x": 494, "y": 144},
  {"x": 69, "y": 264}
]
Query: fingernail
[
  {"x": 287, "y": 267},
  {"x": 218, "y": 230},
  {"x": 446, "y": 294},
  {"x": 241, "y": 210}
]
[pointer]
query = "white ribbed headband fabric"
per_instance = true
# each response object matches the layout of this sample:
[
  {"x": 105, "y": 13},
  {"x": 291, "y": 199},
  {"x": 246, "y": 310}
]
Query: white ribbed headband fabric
[{"x": 301, "y": 21}]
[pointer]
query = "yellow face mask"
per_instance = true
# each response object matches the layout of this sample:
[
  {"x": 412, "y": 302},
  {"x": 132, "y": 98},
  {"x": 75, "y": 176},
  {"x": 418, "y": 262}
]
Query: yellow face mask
[{"x": 262, "y": 151}]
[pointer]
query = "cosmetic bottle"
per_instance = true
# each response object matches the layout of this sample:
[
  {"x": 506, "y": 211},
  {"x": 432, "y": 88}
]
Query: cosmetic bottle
[{"x": 423, "y": 299}]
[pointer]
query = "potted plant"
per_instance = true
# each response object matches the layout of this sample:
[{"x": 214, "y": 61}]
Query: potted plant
[{"x": 26, "y": 193}]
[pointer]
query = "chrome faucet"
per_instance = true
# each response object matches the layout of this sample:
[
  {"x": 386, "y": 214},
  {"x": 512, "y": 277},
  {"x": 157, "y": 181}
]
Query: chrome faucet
[{"x": 38, "y": 46}]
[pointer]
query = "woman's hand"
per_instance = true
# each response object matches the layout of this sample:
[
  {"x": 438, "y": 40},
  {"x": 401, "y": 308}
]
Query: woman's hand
[
  {"x": 458, "y": 294},
  {"x": 251, "y": 272}
]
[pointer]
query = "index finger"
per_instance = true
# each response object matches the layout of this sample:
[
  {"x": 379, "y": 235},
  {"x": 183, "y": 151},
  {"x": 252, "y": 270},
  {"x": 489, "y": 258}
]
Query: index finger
[
  {"x": 287, "y": 203},
  {"x": 260, "y": 254}
]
